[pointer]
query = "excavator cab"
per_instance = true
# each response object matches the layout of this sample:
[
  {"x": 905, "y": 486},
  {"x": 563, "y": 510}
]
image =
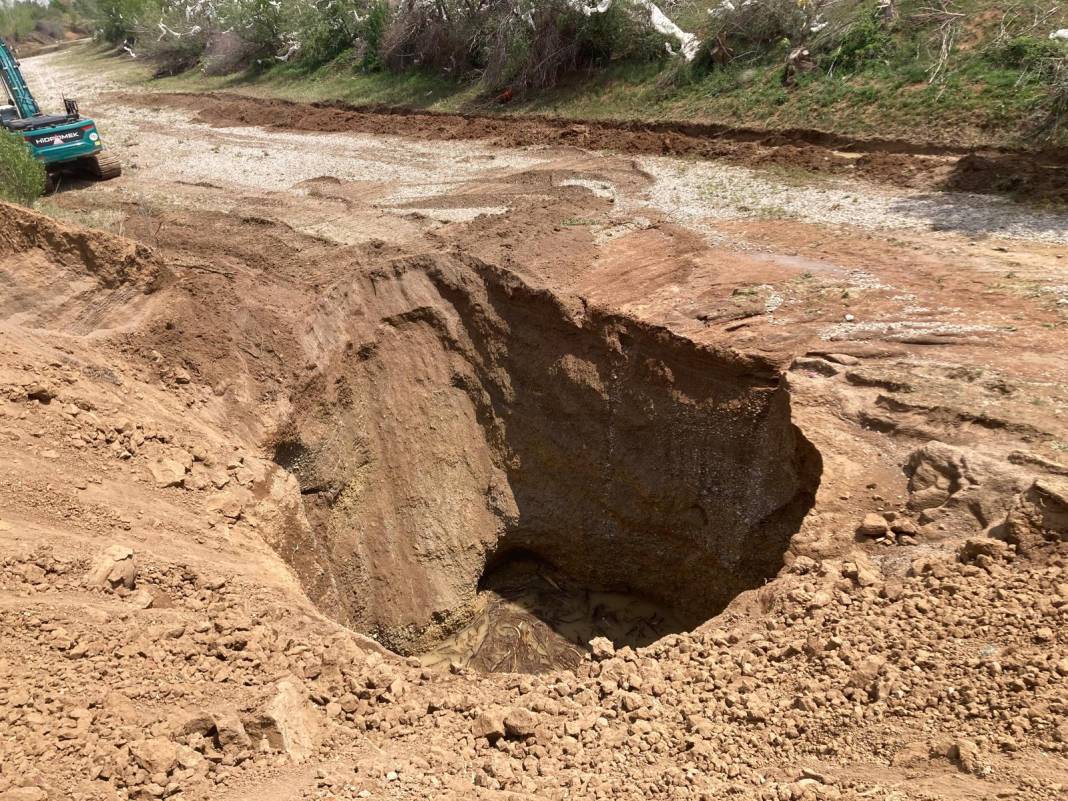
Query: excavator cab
[{"x": 65, "y": 141}]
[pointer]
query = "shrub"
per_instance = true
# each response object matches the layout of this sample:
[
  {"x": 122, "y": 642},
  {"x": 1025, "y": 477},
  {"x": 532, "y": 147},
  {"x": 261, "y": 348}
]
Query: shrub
[
  {"x": 175, "y": 42},
  {"x": 517, "y": 43},
  {"x": 22, "y": 177},
  {"x": 765, "y": 23},
  {"x": 522, "y": 43},
  {"x": 867, "y": 39},
  {"x": 52, "y": 27},
  {"x": 1027, "y": 53},
  {"x": 20, "y": 18},
  {"x": 438, "y": 35},
  {"x": 260, "y": 24},
  {"x": 222, "y": 36},
  {"x": 115, "y": 21},
  {"x": 1045, "y": 62},
  {"x": 1054, "y": 120},
  {"x": 536, "y": 49},
  {"x": 328, "y": 28},
  {"x": 224, "y": 52}
]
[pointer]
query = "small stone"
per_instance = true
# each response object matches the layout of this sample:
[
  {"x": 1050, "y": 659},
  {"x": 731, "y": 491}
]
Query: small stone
[
  {"x": 820, "y": 599},
  {"x": 873, "y": 526},
  {"x": 489, "y": 724},
  {"x": 984, "y": 551},
  {"x": 157, "y": 755},
  {"x": 601, "y": 648},
  {"x": 141, "y": 599},
  {"x": 842, "y": 358},
  {"x": 966, "y": 754},
  {"x": 167, "y": 472},
  {"x": 40, "y": 392},
  {"x": 231, "y": 731},
  {"x": 230, "y": 504},
  {"x": 115, "y": 568},
  {"x": 520, "y": 723}
]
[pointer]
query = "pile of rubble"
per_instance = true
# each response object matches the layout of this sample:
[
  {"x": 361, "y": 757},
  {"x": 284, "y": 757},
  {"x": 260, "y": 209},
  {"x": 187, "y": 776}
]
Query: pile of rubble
[{"x": 955, "y": 658}]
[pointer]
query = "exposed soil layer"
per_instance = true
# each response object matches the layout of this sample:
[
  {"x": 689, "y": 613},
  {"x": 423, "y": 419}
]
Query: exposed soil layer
[
  {"x": 469, "y": 415},
  {"x": 1037, "y": 175},
  {"x": 71, "y": 279}
]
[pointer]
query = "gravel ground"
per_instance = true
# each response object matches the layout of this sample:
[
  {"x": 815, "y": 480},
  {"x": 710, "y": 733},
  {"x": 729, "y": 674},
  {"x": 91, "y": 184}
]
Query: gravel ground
[{"x": 695, "y": 193}]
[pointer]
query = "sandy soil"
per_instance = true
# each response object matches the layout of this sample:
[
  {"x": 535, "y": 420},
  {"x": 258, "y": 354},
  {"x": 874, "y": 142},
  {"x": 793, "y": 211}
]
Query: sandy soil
[{"x": 795, "y": 440}]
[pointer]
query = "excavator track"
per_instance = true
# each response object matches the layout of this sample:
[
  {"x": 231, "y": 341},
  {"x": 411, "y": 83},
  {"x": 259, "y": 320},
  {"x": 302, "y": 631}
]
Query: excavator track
[{"x": 104, "y": 166}]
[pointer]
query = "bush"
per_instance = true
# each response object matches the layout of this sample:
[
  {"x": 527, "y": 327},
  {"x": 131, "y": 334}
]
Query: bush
[
  {"x": 865, "y": 40},
  {"x": 176, "y": 46},
  {"x": 23, "y": 17},
  {"x": 440, "y": 35},
  {"x": 536, "y": 50},
  {"x": 1027, "y": 53},
  {"x": 1056, "y": 118},
  {"x": 223, "y": 37},
  {"x": 1044, "y": 62},
  {"x": 115, "y": 21},
  {"x": 328, "y": 28},
  {"x": 764, "y": 24},
  {"x": 22, "y": 177},
  {"x": 260, "y": 24},
  {"x": 518, "y": 43},
  {"x": 223, "y": 53}
]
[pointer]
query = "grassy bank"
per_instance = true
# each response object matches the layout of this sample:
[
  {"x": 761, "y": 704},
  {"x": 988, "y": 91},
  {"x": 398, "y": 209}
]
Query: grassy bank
[{"x": 974, "y": 72}]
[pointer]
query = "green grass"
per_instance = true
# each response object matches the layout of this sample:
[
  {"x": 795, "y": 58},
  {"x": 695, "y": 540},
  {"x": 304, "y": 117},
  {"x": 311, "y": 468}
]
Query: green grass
[{"x": 336, "y": 81}]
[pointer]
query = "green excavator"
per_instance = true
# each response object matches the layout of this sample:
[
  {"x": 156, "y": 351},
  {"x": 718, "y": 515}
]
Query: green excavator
[{"x": 65, "y": 142}]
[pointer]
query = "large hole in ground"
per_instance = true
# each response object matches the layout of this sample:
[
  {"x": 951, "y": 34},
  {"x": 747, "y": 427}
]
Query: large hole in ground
[{"x": 492, "y": 474}]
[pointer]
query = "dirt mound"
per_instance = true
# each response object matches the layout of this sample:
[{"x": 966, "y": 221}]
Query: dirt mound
[
  {"x": 61, "y": 277},
  {"x": 1038, "y": 174}
]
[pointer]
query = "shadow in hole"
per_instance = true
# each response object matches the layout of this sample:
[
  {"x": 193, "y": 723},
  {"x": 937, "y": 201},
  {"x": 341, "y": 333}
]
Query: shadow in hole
[
  {"x": 657, "y": 467},
  {"x": 575, "y": 611},
  {"x": 533, "y": 617}
]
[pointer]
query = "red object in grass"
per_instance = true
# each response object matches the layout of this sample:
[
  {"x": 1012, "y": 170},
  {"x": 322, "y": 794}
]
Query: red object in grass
[{"x": 505, "y": 96}]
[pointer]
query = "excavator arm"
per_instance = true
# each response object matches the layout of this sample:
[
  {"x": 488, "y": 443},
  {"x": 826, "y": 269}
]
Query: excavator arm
[{"x": 15, "y": 84}]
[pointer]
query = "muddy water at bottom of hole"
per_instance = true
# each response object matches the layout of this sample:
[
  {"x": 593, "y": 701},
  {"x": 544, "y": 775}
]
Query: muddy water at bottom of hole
[{"x": 530, "y": 618}]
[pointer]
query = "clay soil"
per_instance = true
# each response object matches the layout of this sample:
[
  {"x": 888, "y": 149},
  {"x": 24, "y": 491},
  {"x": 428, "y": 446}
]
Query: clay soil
[{"x": 351, "y": 454}]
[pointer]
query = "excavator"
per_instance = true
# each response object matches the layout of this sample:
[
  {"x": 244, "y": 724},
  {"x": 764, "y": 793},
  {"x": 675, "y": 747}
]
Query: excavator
[{"x": 65, "y": 142}]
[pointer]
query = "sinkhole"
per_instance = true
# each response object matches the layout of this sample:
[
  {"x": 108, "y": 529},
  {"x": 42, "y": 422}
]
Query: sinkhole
[{"x": 492, "y": 474}]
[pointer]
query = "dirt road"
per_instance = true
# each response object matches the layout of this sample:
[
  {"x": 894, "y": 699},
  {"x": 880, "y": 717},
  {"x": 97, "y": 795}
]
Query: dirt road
[{"x": 792, "y": 440}]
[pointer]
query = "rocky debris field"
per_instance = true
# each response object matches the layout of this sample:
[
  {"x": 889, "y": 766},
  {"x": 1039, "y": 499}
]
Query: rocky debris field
[
  {"x": 946, "y": 664},
  {"x": 265, "y": 442}
]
